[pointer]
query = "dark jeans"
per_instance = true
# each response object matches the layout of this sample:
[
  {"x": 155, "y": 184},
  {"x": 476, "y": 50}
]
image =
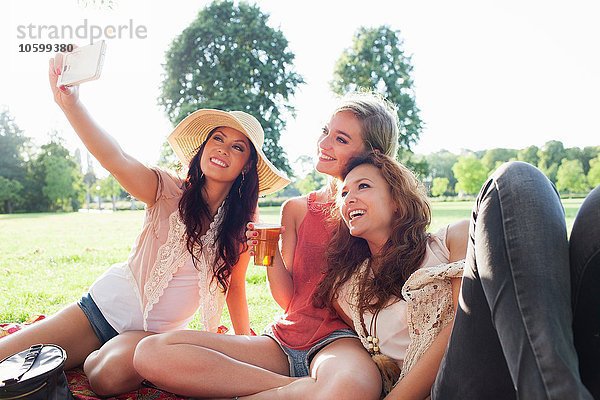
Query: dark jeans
[{"x": 513, "y": 334}]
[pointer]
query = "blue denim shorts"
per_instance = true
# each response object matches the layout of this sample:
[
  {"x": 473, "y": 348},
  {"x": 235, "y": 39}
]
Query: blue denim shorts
[
  {"x": 300, "y": 359},
  {"x": 103, "y": 330}
]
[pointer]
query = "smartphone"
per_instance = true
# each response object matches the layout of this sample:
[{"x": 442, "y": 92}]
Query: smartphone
[{"x": 82, "y": 64}]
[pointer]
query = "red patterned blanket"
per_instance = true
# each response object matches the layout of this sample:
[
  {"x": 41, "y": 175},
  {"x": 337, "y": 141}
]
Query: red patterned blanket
[{"x": 78, "y": 382}]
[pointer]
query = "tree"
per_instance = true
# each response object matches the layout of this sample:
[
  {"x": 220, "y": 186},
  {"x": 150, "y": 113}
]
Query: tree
[
  {"x": 439, "y": 186},
  {"x": 551, "y": 155},
  {"x": 440, "y": 166},
  {"x": 529, "y": 155},
  {"x": 470, "y": 174},
  {"x": 493, "y": 158},
  {"x": 587, "y": 154},
  {"x": 168, "y": 159},
  {"x": 570, "y": 177},
  {"x": 229, "y": 58},
  {"x": 10, "y": 194},
  {"x": 61, "y": 186},
  {"x": 12, "y": 143},
  {"x": 109, "y": 187},
  {"x": 377, "y": 61},
  {"x": 593, "y": 175},
  {"x": 53, "y": 179},
  {"x": 311, "y": 182}
]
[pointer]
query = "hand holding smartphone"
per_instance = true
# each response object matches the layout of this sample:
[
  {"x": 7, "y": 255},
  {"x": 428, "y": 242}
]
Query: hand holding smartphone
[{"x": 82, "y": 64}]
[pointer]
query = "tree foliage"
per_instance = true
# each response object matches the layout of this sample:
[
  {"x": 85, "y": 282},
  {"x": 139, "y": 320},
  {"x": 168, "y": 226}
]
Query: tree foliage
[
  {"x": 110, "y": 188},
  {"x": 440, "y": 166},
  {"x": 593, "y": 175},
  {"x": 168, "y": 159},
  {"x": 570, "y": 177},
  {"x": 439, "y": 186},
  {"x": 470, "y": 174},
  {"x": 54, "y": 180},
  {"x": 550, "y": 157},
  {"x": 10, "y": 194},
  {"x": 12, "y": 147},
  {"x": 493, "y": 158},
  {"x": 377, "y": 61},
  {"x": 529, "y": 155},
  {"x": 229, "y": 58},
  {"x": 311, "y": 182}
]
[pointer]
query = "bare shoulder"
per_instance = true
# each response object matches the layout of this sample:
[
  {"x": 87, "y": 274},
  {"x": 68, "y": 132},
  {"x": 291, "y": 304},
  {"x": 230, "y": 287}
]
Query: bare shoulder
[
  {"x": 456, "y": 239},
  {"x": 294, "y": 209}
]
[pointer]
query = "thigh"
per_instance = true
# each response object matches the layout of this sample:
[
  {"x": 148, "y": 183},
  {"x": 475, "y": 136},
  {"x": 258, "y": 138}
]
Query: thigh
[
  {"x": 585, "y": 279},
  {"x": 344, "y": 369},
  {"x": 69, "y": 328},
  {"x": 260, "y": 351},
  {"x": 116, "y": 353}
]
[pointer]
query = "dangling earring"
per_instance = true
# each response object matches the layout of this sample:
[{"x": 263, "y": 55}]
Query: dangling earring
[{"x": 241, "y": 184}]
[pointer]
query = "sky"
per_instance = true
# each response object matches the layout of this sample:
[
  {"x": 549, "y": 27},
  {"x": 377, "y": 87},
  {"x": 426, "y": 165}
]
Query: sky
[{"x": 509, "y": 73}]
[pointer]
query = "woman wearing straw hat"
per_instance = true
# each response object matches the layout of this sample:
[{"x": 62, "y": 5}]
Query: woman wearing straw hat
[
  {"x": 310, "y": 352},
  {"x": 189, "y": 255}
]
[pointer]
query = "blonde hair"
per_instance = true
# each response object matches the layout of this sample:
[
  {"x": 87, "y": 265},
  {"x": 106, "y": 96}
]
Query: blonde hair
[{"x": 378, "y": 118}]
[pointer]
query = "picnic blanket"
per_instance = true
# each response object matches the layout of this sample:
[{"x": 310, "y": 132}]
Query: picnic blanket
[{"x": 78, "y": 382}]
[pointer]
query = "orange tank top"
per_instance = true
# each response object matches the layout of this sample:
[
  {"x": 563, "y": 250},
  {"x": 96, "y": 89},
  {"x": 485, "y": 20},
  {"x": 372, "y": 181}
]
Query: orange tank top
[{"x": 304, "y": 324}]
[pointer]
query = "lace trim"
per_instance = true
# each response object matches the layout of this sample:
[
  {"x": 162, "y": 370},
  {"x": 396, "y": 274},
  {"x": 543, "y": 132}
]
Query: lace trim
[
  {"x": 173, "y": 254},
  {"x": 315, "y": 207},
  {"x": 428, "y": 293}
]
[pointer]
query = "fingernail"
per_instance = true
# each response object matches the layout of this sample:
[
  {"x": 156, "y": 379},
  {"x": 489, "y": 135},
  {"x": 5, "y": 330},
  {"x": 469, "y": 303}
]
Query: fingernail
[
  {"x": 250, "y": 226},
  {"x": 254, "y": 233},
  {"x": 255, "y": 242},
  {"x": 251, "y": 253},
  {"x": 57, "y": 71}
]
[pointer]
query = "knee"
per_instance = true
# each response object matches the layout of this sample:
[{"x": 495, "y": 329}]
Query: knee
[
  {"x": 145, "y": 357},
  {"x": 519, "y": 173},
  {"x": 105, "y": 377}
]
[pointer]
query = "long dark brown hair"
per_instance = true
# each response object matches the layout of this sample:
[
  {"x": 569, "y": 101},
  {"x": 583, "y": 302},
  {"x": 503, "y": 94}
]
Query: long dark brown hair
[
  {"x": 239, "y": 207},
  {"x": 401, "y": 255}
]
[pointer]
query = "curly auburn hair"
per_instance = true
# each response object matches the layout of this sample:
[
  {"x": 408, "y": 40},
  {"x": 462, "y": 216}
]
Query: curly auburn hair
[
  {"x": 402, "y": 254},
  {"x": 239, "y": 207}
]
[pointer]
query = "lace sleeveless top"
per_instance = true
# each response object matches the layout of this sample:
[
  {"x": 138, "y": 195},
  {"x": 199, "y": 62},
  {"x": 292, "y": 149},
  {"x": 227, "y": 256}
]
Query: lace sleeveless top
[
  {"x": 406, "y": 329},
  {"x": 158, "y": 253},
  {"x": 303, "y": 324}
]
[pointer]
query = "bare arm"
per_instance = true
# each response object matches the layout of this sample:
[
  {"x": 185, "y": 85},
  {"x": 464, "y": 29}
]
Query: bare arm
[
  {"x": 237, "y": 303},
  {"x": 137, "y": 179},
  {"x": 458, "y": 235},
  {"x": 417, "y": 384},
  {"x": 280, "y": 274}
]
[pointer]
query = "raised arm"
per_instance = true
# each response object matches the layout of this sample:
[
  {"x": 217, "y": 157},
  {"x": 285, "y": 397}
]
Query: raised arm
[{"x": 137, "y": 179}]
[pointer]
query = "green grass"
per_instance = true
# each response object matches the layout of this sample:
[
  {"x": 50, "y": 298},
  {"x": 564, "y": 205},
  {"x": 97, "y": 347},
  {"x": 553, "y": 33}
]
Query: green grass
[{"x": 49, "y": 260}]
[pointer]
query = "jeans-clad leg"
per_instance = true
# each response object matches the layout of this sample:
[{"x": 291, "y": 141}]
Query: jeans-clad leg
[
  {"x": 512, "y": 335},
  {"x": 585, "y": 279}
]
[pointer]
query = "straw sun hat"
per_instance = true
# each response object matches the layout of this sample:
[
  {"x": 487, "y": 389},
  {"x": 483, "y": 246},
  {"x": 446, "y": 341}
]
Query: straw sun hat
[{"x": 190, "y": 133}]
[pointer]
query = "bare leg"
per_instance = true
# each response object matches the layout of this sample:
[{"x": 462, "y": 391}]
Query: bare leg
[
  {"x": 203, "y": 364},
  {"x": 342, "y": 370},
  {"x": 110, "y": 369},
  {"x": 69, "y": 328}
]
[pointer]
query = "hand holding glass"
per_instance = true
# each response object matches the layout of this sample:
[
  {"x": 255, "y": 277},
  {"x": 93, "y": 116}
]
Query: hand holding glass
[{"x": 267, "y": 238}]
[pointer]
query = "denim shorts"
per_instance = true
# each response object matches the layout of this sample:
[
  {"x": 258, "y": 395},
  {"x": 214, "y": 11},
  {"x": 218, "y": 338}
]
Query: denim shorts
[
  {"x": 300, "y": 359},
  {"x": 103, "y": 330}
]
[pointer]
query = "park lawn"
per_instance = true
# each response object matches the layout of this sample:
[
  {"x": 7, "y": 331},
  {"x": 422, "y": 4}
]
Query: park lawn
[{"x": 50, "y": 260}]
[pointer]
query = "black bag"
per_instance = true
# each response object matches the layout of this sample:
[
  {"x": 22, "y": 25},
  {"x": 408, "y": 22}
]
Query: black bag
[{"x": 35, "y": 374}]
